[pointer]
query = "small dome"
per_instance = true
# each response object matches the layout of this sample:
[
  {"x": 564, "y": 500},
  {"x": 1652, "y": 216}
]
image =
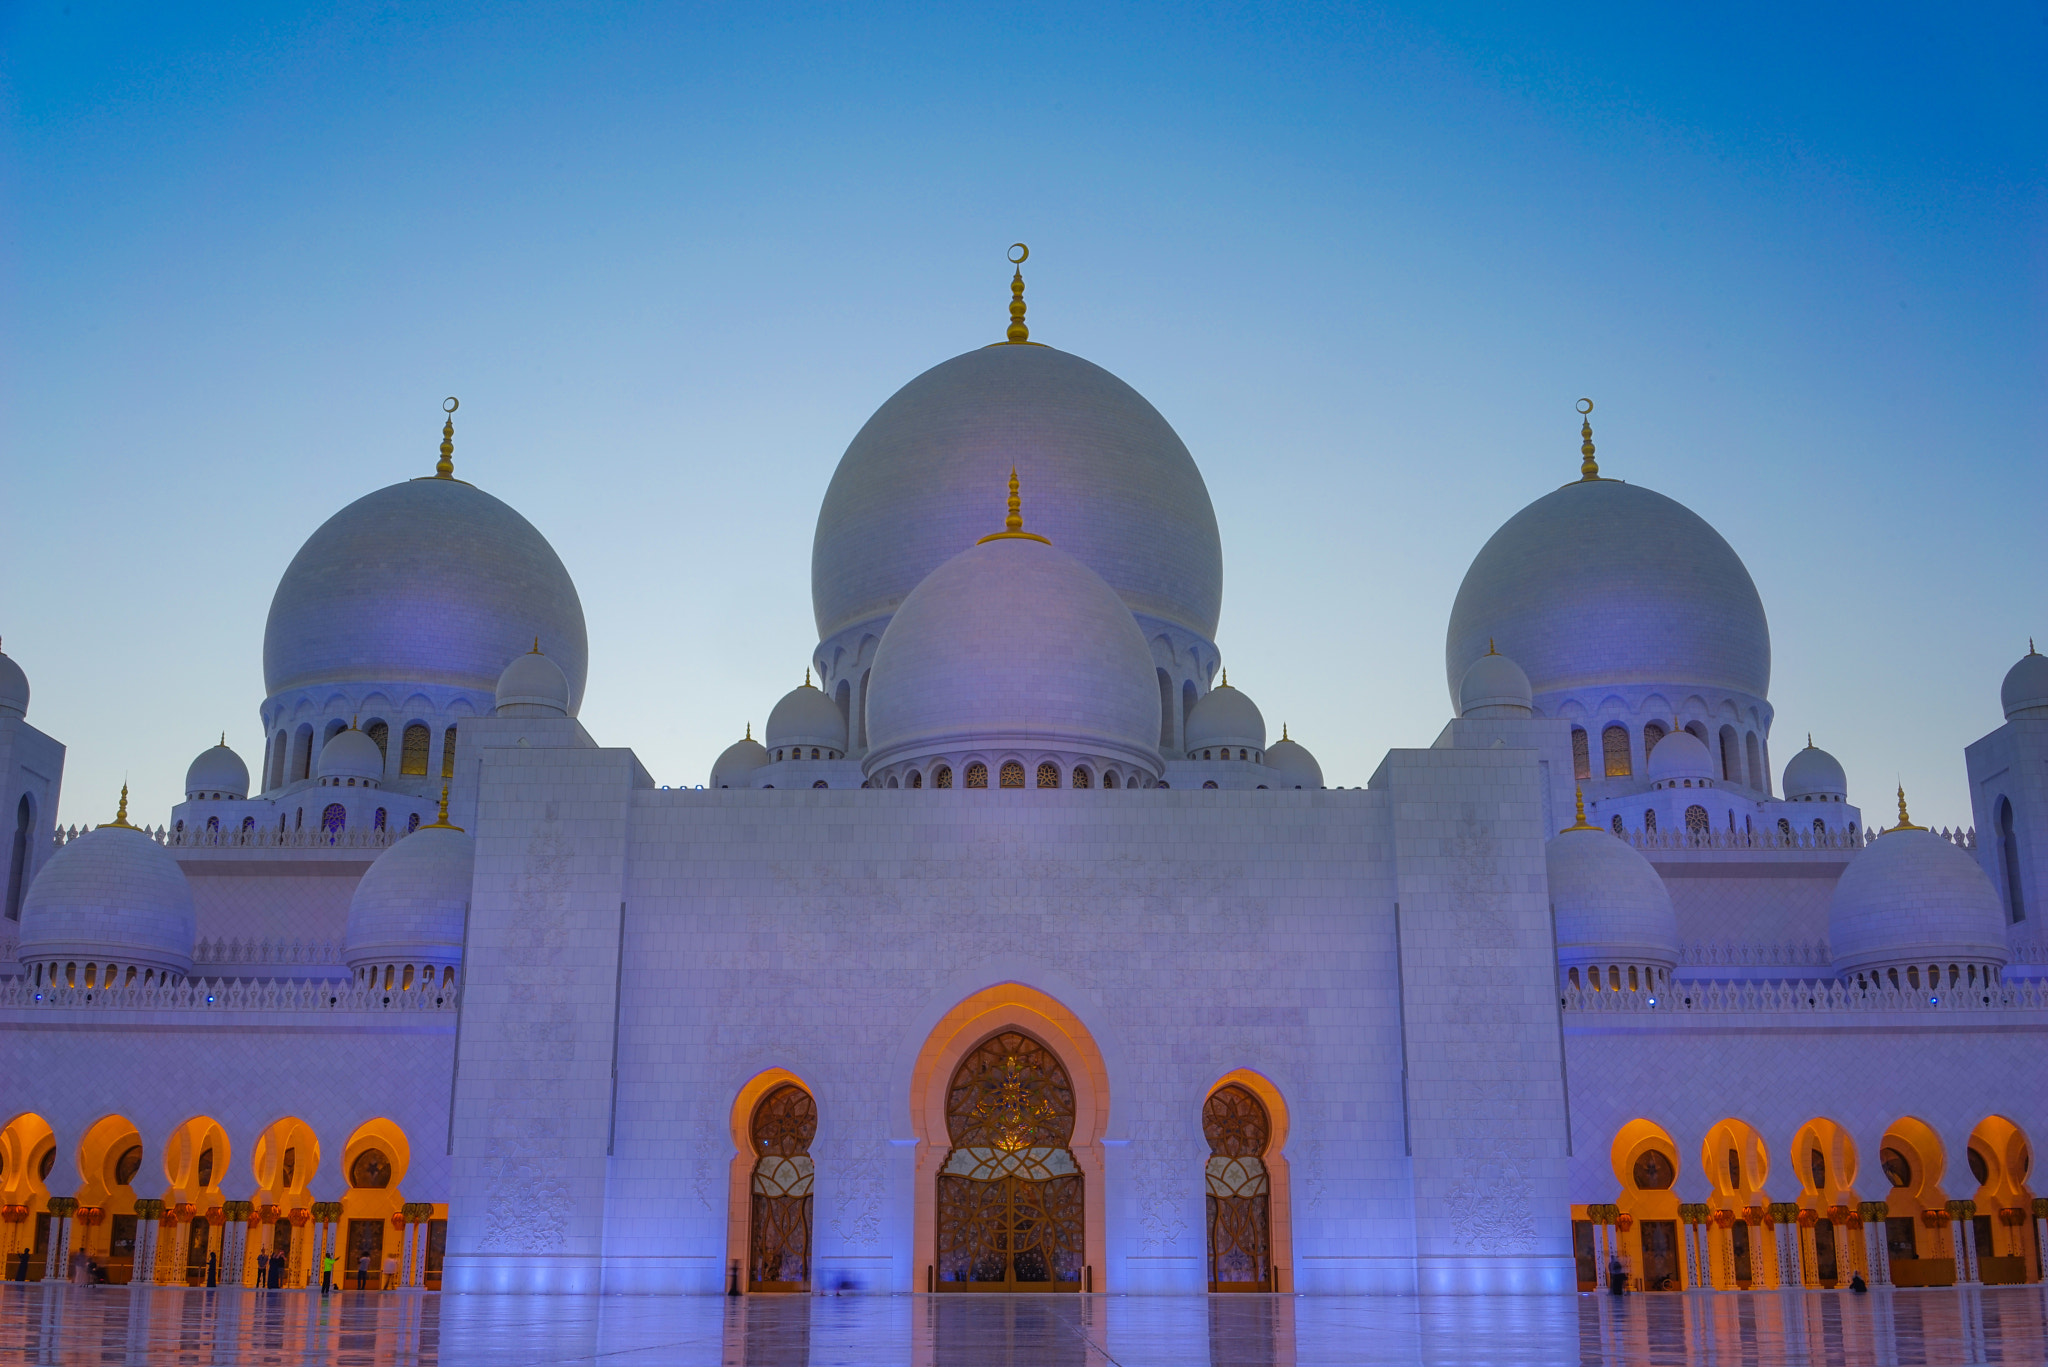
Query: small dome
[
  {"x": 739, "y": 760},
  {"x": 1680, "y": 755},
  {"x": 110, "y": 895},
  {"x": 409, "y": 907},
  {"x": 1298, "y": 768},
  {"x": 1813, "y": 772},
  {"x": 1611, "y": 905},
  {"x": 350, "y": 754},
  {"x": 805, "y": 716},
  {"x": 1226, "y": 716},
  {"x": 1494, "y": 686},
  {"x": 13, "y": 688},
  {"x": 1913, "y": 898},
  {"x": 2025, "y": 692},
  {"x": 1013, "y": 644},
  {"x": 217, "y": 770},
  {"x": 533, "y": 686}
]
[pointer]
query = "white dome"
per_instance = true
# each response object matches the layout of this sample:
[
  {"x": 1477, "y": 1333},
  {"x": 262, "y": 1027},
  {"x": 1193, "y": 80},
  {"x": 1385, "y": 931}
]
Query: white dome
[
  {"x": 431, "y": 581},
  {"x": 217, "y": 770},
  {"x": 533, "y": 685},
  {"x": 1611, "y": 905},
  {"x": 1013, "y": 645},
  {"x": 350, "y": 754},
  {"x": 1913, "y": 898},
  {"x": 739, "y": 759},
  {"x": 1680, "y": 755},
  {"x": 1604, "y": 584},
  {"x": 110, "y": 895},
  {"x": 1298, "y": 768},
  {"x": 805, "y": 716},
  {"x": 409, "y": 907},
  {"x": 13, "y": 688},
  {"x": 1813, "y": 772},
  {"x": 2024, "y": 694},
  {"x": 1110, "y": 483},
  {"x": 1226, "y": 716},
  {"x": 1494, "y": 686}
]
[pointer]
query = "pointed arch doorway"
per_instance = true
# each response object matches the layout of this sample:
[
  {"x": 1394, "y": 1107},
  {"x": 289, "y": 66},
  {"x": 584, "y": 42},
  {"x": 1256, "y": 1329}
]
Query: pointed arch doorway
[{"x": 1011, "y": 1197}]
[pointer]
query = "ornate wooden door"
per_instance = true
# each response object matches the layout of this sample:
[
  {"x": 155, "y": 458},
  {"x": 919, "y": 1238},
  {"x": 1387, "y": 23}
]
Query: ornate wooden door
[
  {"x": 779, "y": 1237},
  {"x": 1240, "y": 1191},
  {"x": 1011, "y": 1201}
]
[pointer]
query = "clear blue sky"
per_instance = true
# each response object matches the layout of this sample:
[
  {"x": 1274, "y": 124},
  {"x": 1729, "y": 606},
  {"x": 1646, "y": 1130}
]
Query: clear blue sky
[{"x": 1364, "y": 259}]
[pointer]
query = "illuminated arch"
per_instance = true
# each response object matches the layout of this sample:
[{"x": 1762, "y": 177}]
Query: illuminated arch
[
  {"x": 2005, "y": 1201},
  {"x": 740, "y": 1172},
  {"x": 1645, "y": 1159},
  {"x": 1280, "y": 1214}
]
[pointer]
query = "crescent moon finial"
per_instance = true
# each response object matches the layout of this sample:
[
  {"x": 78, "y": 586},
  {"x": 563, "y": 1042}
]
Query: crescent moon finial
[
  {"x": 1019, "y": 253},
  {"x": 1589, "y": 469},
  {"x": 446, "y": 468},
  {"x": 450, "y": 404}
]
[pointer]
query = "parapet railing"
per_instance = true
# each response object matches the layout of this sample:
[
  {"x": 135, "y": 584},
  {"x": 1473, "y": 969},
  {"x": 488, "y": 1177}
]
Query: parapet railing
[
  {"x": 1773, "y": 840},
  {"x": 1806, "y": 997},
  {"x": 1717, "y": 954},
  {"x": 238, "y": 951},
  {"x": 197, "y": 995},
  {"x": 255, "y": 838}
]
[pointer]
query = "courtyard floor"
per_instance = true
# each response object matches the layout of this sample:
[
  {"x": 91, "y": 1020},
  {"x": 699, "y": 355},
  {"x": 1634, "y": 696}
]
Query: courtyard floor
[{"x": 108, "y": 1325}]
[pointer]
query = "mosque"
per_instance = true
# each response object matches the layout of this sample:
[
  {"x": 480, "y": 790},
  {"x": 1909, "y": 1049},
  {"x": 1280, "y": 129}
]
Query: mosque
[{"x": 1016, "y": 953}]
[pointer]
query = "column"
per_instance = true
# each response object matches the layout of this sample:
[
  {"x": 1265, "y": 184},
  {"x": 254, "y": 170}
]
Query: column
[
  {"x": 2041, "y": 1235},
  {"x": 1874, "y": 1251},
  {"x": 1727, "y": 1219},
  {"x": 57, "y": 1257},
  {"x": 1963, "y": 1241},
  {"x": 146, "y": 1214}
]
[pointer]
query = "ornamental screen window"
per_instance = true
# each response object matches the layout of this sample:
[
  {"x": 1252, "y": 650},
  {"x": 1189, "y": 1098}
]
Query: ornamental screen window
[
  {"x": 944, "y": 778},
  {"x": 381, "y": 820},
  {"x": 1013, "y": 774},
  {"x": 779, "y": 1237},
  {"x": 448, "y": 753},
  {"x": 412, "y": 755},
  {"x": 1649, "y": 822},
  {"x": 334, "y": 818},
  {"x": 1240, "y": 1191},
  {"x": 1734, "y": 1171},
  {"x": 916, "y": 778},
  {"x": 1048, "y": 775},
  {"x": 1819, "y": 826},
  {"x": 1010, "y": 1193},
  {"x": 1696, "y": 822},
  {"x": 1655, "y": 1171},
  {"x": 977, "y": 775},
  {"x": 370, "y": 1169},
  {"x": 1614, "y": 751},
  {"x": 1109, "y": 779},
  {"x": 381, "y": 733},
  {"x": 1582, "y": 763},
  {"x": 1080, "y": 778},
  {"x": 1653, "y": 731},
  {"x": 1784, "y": 828},
  {"x": 412, "y": 823},
  {"x": 1619, "y": 829},
  {"x": 248, "y": 823}
]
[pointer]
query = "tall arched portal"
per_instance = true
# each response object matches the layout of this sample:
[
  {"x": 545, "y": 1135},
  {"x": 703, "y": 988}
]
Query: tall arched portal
[
  {"x": 779, "y": 1231},
  {"x": 1240, "y": 1191},
  {"x": 1010, "y": 1194}
]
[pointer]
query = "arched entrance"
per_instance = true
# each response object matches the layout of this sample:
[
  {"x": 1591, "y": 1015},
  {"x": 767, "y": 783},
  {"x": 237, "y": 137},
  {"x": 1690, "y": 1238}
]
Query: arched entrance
[
  {"x": 1736, "y": 1161},
  {"x": 779, "y": 1229},
  {"x": 1010, "y": 1193},
  {"x": 1824, "y": 1161},
  {"x": 1645, "y": 1162},
  {"x": 2003, "y": 1230},
  {"x": 1917, "y": 1238},
  {"x": 1240, "y": 1190}
]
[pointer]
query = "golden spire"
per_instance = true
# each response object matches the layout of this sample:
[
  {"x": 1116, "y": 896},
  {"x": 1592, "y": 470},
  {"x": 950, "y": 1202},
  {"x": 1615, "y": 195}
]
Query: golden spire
[
  {"x": 1581, "y": 824},
  {"x": 1489, "y": 647},
  {"x": 750, "y": 732},
  {"x": 1809, "y": 740},
  {"x": 1905, "y": 822},
  {"x": 536, "y": 647},
  {"x": 223, "y": 740},
  {"x": 1013, "y": 525},
  {"x": 807, "y": 679},
  {"x": 441, "y": 823},
  {"x": 121, "y": 817},
  {"x": 1019, "y": 254},
  {"x": 1226, "y": 677},
  {"x": 446, "y": 469},
  {"x": 1589, "y": 469}
]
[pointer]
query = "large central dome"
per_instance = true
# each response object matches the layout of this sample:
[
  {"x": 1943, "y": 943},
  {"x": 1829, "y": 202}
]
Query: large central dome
[
  {"x": 431, "y": 581},
  {"x": 1110, "y": 483}
]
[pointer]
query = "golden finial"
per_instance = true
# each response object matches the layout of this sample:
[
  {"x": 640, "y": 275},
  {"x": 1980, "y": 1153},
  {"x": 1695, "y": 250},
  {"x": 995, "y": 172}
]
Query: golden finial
[
  {"x": 536, "y": 647},
  {"x": 1905, "y": 822},
  {"x": 750, "y": 732},
  {"x": 1283, "y": 730},
  {"x": 807, "y": 679},
  {"x": 1809, "y": 740},
  {"x": 223, "y": 740},
  {"x": 441, "y": 822},
  {"x": 1580, "y": 824},
  {"x": 1013, "y": 525},
  {"x": 121, "y": 816},
  {"x": 446, "y": 469},
  {"x": 1019, "y": 254},
  {"x": 1489, "y": 647},
  {"x": 1589, "y": 469},
  {"x": 1226, "y": 677}
]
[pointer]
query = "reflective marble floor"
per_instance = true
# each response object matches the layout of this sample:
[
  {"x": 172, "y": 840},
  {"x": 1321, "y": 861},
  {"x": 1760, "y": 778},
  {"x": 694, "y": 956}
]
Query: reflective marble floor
[{"x": 106, "y": 1325}]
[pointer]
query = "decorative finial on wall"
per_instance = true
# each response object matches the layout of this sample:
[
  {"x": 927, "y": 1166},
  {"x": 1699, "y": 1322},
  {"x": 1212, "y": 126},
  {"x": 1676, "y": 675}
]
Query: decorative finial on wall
[
  {"x": 1013, "y": 525},
  {"x": 446, "y": 468},
  {"x": 1019, "y": 254},
  {"x": 1589, "y": 469}
]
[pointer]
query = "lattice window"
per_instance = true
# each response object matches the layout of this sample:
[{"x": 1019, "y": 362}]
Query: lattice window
[
  {"x": 1582, "y": 761},
  {"x": 412, "y": 754},
  {"x": 1619, "y": 829},
  {"x": 977, "y": 775},
  {"x": 1080, "y": 778},
  {"x": 1653, "y": 731},
  {"x": 1784, "y": 828},
  {"x": 1696, "y": 822},
  {"x": 916, "y": 779},
  {"x": 448, "y": 753},
  {"x": 334, "y": 819},
  {"x": 1048, "y": 775},
  {"x": 381, "y": 733},
  {"x": 944, "y": 778},
  {"x": 370, "y": 1169},
  {"x": 779, "y": 1237},
  {"x": 1013, "y": 774},
  {"x": 1614, "y": 751},
  {"x": 1010, "y": 1196},
  {"x": 1649, "y": 821},
  {"x": 1240, "y": 1241},
  {"x": 412, "y": 823}
]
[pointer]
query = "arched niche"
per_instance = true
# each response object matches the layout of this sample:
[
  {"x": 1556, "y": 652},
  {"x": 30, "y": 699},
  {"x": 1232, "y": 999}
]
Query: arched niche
[
  {"x": 1646, "y": 1165},
  {"x": 740, "y": 1171},
  {"x": 974, "y": 1020},
  {"x": 1824, "y": 1161},
  {"x": 283, "y": 1162},
  {"x": 2004, "y": 1221},
  {"x": 1281, "y": 1212},
  {"x": 1913, "y": 1161},
  {"x": 195, "y": 1160}
]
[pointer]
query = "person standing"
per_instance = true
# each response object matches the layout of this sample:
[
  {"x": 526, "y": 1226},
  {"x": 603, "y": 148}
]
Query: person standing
[
  {"x": 390, "y": 1271},
  {"x": 327, "y": 1272},
  {"x": 362, "y": 1272}
]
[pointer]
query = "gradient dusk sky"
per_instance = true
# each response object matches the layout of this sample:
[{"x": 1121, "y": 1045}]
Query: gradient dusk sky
[{"x": 1364, "y": 258}]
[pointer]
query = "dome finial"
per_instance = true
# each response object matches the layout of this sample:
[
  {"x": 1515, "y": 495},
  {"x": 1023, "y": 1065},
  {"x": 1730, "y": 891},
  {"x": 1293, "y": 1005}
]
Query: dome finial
[
  {"x": 750, "y": 732},
  {"x": 1905, "y": 822},
  {"x": 441, "y": 822},
  {"x": 1226, "y": 677},
  {"x": 223, "y": 740},
  {"x": 121, "y": 816},
  {"x": 1581, "y": 824},
  {"x": 446, "y": 468},
  {"x": 1013, "y": 525},
  {"x": 1283, "y": 730},
  {"x": 807, "y": 679},
  {"x": 1589, "y": 469},
  {"x": 1489, "y": 647},
  {"x": 1809, "y": 740},
  {"x": 1019, "y": 254},
  {"x": 536, "y": 646}
]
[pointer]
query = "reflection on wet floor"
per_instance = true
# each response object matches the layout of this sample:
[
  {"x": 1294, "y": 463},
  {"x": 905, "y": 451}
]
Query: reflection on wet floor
[{"x": 62, "y": 1324}]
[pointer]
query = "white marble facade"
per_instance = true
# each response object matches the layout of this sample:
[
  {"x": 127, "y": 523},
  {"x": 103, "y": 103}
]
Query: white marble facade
[{"x": 1461, "y": 1040}]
